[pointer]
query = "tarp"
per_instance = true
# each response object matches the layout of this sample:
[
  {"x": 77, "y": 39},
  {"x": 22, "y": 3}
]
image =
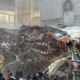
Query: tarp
[
  {"x": 54, "y": 66},
  {"x": 73, "y": 31}
]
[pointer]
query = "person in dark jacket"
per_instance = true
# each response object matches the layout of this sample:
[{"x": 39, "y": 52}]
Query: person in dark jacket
[
  {"x": 18, "y": 74},
  {"x": 1, "y": 76}
]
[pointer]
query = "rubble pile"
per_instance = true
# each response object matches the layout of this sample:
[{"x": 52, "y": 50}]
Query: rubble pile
[
  {"x": 39, "y": 46},
  {"x": 35, "y": 46},
  {"x": 39, "y": 40},
  {"x": 7, "y": 37}
]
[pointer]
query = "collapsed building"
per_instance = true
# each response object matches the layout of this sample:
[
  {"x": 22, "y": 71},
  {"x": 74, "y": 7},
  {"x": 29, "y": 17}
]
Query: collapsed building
[{"x": 36, "y": 47}]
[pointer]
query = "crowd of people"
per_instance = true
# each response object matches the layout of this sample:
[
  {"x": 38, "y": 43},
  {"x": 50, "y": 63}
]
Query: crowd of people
[
  {"x": 9, "y": 75},
  {"x": 19, "y": 75}
]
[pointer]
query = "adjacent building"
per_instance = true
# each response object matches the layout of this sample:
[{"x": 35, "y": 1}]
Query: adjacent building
[
  {"x": 28, "y": 12},
  {"x": 15, "y": 13},
  {"x": 7, "y": 13},
  {"x": 60, "y": 12}
]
